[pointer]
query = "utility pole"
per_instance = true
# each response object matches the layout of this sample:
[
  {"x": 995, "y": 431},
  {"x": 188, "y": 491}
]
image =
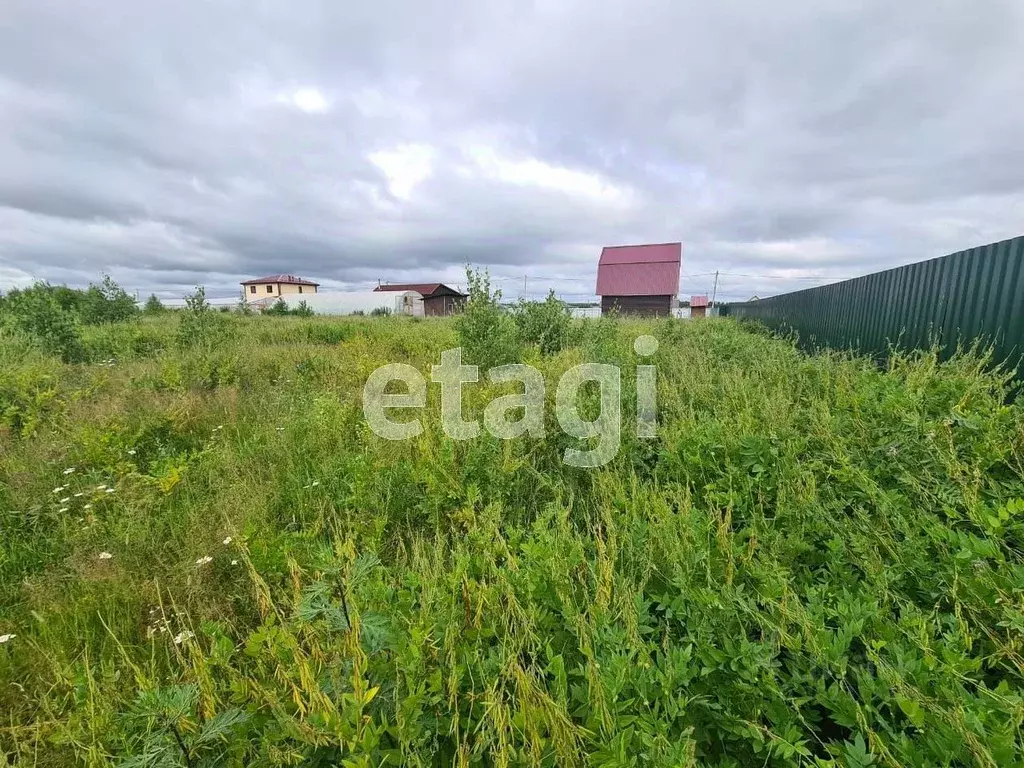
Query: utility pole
[
  {"x": 524, "y": 288},
  {"x": 714, "y": 291}
]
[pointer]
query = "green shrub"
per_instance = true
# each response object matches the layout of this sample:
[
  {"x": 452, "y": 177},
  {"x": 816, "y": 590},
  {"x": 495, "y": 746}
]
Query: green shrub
[
  {"x": 487, "y": 333},
  {"x": 278, "y": 309},
  {"x": 303, "y": 309},
  {"x": 199, "y": 325},
  {"x": 107, "y": 302},
  {"x": 154, "y": 306},
  {"x": 380, "y": 312},
  {"x": 547, "y": 324},
  {"x": 37, "y": 313}
]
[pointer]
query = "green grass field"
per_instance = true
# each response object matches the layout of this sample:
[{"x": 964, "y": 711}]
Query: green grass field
[{"x": 208, "y": 559}]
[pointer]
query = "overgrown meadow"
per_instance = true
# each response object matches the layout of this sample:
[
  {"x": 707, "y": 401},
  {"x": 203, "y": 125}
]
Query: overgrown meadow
[{"x": 209, "y": 560}]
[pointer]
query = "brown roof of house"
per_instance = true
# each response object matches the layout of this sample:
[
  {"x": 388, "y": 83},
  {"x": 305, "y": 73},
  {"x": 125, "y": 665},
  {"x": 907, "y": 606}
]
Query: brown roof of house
[
  {"x": 288, "y": 279},
  {"x": 424, "y": 289}
]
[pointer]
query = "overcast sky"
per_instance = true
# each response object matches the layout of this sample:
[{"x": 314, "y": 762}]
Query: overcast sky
[{"x": 209, "y": 141}]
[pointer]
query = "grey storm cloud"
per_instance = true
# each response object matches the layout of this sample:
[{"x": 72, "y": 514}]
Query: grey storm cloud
[{"x": 209, "y": 141}]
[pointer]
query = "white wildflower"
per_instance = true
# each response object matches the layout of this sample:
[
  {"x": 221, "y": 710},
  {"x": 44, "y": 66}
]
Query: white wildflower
[
  {"x": 58, "y": 489},
  {"x": 65, "y": 500},
  {"x": 79, "y": 495},
  {"x": 109, "y": 490},
  {"x": 131, "y": 452},
  {"x": 88, "y": 506},
  {"x": 100, "y": 487},
  {"x": 227, "y": 540},
  {"x": 62, "y": 510},
  {"x": 182, "y": 636},
  {"x": 69, "y": 470},
  {"x": 7, "y": 638},
  {"x": 105, "y": 555},
  {"x": 204, "y": 560},
  {"x": 234, "y": 562}
]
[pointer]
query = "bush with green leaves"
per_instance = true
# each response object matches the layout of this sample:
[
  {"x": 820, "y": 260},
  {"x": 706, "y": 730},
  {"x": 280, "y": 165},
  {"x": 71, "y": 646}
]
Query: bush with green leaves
[
  {"x": 199, "y": 325},
  {"x": 153, "y": 305},
  {"x": 303, "y": 309},
  {"x": 107, "y": 302},
  {"x": 278, "y": 309},
  {"x": 380, "y": 312},
  {"x": 548, "y": 324},
  {"x": 36, "y": 312},
  {"x": 487, "y": 333}
]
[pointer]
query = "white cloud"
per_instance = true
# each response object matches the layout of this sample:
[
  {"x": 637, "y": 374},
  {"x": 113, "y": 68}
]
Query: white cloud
[
  {"x": 405, "y": 167},
  {"x": 309, "y": 100},
  {"x": 530, "y": 171}
]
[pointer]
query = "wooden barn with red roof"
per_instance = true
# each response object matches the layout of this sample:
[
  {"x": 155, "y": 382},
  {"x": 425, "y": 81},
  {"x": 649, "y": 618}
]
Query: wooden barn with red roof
[
  {"x": 438, "y": 299},
  {"x": 639, "y": 279}
]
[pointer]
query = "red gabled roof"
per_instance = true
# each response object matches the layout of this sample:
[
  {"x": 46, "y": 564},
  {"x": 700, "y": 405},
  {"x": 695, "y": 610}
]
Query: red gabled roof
[
  {"x": 424, "y": 289},
  {"x": 698, "y": 301},
  {"x": 639, "y": 270},
  {"x": 289, "y": 279}
]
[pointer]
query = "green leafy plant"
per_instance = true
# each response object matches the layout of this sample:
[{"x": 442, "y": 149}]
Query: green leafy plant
[
  {"x": 548, "y": 324},
  {"x": 278, "y": 309},
  {"x": 153, "y": 305},
  {"x": 199, "y": 326},
  {"x": 486, "y": 332},
  {"x": 107, "y": 302},
  {"x": 37, "y": 313},
  {"x": 164, "y": 730}
]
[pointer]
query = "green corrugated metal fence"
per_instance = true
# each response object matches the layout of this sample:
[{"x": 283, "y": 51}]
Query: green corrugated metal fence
[{"x": 978, "y": 293}]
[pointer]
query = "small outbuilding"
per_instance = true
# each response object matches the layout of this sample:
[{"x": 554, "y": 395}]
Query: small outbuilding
[
  {"x": 439, "y": 300},
  {"x": 639, "y": 279},
  {"x": 698, "y": 306}
]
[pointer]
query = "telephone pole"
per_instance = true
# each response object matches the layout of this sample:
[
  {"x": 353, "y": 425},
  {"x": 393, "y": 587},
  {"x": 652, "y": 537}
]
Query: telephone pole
[
  {"x": 714, "y": 291},
  {"x": 525, "y": 297}
]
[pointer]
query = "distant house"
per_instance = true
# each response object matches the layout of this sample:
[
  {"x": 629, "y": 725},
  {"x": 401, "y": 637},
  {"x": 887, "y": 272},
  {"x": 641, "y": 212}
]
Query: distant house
[
  {"x": 267, "y": 290},
  {"x": 698, "y": 306},
  {"x": 639, "y": 279},
  {"x": 438, "y": 299}
]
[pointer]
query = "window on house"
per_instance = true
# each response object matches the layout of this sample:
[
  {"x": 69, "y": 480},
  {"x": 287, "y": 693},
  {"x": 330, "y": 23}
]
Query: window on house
[
  {"x": 270, "y": 289},
  {"x": 300, "y": 289},
  {"x": 252, "y": 289}
]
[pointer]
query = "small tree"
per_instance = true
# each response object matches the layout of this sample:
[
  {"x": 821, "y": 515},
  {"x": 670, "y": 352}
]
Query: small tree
[
  {"x": 37, "y": 313},
  {"x": 243, "y": 307},
  {"x": 154, "y": 306},
  {"x": 548, "y": 323},
  {"x": 303, "y": 310},
  {"x": 107, "y": 302},
  {"x": 380, "y": 312},
  {"x": 200, "y": 326},
  {"x": 487, "y": 334},
  {"x": 278, "y": 309}
]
